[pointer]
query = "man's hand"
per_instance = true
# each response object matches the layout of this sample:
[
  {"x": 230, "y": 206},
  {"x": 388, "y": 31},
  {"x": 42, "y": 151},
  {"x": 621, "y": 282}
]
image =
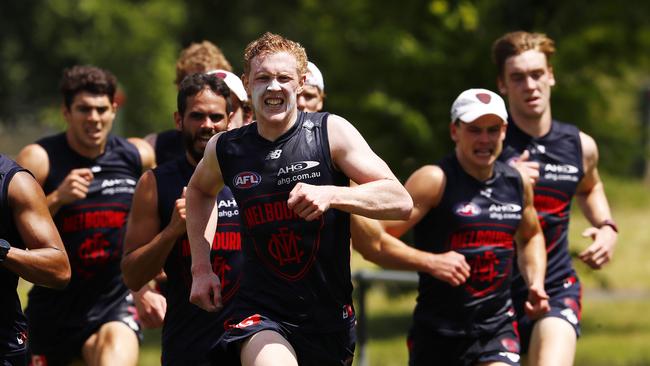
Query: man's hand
[
  {"x": 177, "y": 221},
  {"x": 601, "y": 250},
  {"x": 151, "y": 307},
  {"x": 537, "y": 303},
  {"x": 206, "y": 290},
  {"x": 450, "y": 267},
  {"x": 309, "y": 201},
  {"x": 528, "y": 168},
  {"x": 75, "y": 186}
]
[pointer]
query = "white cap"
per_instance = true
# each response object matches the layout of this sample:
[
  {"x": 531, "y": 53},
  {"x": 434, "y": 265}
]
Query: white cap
[
  {"x": 314, "y": 77},
  {"x": 474, "y": 103},
  {"x": 234, "y": 83}
]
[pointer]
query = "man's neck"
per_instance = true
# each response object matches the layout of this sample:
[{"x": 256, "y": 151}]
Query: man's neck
[
  {"x": 533, "y": 126},
  {"x": 271, "y": 130},
  {"x": 87, "y": 152}
]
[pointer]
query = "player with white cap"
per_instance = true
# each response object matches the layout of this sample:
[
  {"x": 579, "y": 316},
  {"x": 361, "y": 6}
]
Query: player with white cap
[
  {"x": 313, "y": 92},
  {"x": 472, "y": 212}
]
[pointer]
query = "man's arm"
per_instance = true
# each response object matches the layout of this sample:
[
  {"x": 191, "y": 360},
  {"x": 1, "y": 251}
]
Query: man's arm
[
  {"x": 201, "y": 195},
  {"x": 592, "y": 200},
  {"x": 74, "y": 187},
  {"x": 426, "y": 186},
  {"x": 531, "y": 250},
  {"x": 146, "y": 247},
  {"x": 147, "y": 153},
  {"x": 45, "y": 263},
  {"x": 379, "y": 194}
]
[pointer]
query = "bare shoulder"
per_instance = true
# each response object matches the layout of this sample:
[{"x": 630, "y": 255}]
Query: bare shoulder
[
  {"x": 24, "y": 190},
  {"x": 426, "y": 185},
  {"x": 589, "y": 151},
  {"x": 34, "y": 158},
  {"x": 147, "y": 154}
]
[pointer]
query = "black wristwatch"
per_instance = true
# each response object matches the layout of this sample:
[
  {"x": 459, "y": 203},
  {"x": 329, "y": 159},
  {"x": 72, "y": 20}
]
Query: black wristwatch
[{"x": 4, "y": 249}]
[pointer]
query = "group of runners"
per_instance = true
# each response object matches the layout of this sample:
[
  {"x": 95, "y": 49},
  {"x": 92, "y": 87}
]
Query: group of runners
[{"x": 232, "y": 230}]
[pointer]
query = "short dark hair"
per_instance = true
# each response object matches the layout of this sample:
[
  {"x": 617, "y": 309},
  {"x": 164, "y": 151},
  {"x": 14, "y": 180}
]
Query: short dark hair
[
  {"x": 87, "y": 78},
  {"x": 192, "y": 84}
]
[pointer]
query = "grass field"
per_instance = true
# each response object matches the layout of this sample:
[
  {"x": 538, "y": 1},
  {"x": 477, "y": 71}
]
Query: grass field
[{"x": 616, "y": 316}]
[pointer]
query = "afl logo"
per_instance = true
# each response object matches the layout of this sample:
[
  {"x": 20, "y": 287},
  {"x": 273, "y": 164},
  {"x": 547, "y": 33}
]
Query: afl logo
[
  {"x": 467, "y": 209},
  {"x": 245, "y": 180}
]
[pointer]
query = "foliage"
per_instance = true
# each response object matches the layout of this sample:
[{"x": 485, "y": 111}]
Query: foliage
[{"x": 392, "y": 69}]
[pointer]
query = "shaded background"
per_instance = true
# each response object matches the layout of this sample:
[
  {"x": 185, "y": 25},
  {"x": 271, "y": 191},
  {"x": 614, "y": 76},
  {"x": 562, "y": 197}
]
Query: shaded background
[{"x": 391, "y": 68}]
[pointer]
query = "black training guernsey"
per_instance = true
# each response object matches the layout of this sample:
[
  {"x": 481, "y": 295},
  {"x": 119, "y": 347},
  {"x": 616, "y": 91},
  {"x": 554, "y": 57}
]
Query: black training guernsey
[
  {"x": 559, "y": 153},
  {"x": 13, "y": 325},
  {"x": 190, "y": 332},
  {"x": 92, "y": 230},
  {"x": 169, "y": 146},
  {"x": 479, "y": 220},
  {"x": 295, "y": 271}
]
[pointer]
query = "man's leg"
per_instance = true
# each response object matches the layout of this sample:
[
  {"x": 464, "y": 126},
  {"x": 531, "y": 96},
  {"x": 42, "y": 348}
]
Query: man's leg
[
  {"x": 268, "y": 348},
  {"x": 553, "y": 342},
  {"x": 115, "y": 343}
]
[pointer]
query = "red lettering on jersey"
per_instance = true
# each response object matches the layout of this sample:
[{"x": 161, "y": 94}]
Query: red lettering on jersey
[
  {"x": 479, "y": 238},
  {"x": 268, "y": 212},
  {"x": 226, "y": 241},
  {"x": 94, "y": 220},
  {"x": 220, "y": 267}
]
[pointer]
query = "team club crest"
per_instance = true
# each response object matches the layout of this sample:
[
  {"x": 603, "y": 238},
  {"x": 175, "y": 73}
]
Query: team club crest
[
  {"x": 467, "y": 209},
  {"x": 245, "y": 180},
  {"x": 489, "y": 271}
]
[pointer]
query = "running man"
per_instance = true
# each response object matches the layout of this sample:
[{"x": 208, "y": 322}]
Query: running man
[
  {"x": 563, "y": 161},
  {"x": 470, "y": 211},
  {"x": 156, "y": 237},
  {"x": 31, "y": 248},
  {"x": 201, "y": 58},
  {"x": 289, "y": 172},
  {"x": 89, "y": 176}
]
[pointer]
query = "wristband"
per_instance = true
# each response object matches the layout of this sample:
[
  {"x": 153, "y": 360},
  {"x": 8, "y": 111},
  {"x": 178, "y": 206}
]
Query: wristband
[{"x": 610, "y": 223}]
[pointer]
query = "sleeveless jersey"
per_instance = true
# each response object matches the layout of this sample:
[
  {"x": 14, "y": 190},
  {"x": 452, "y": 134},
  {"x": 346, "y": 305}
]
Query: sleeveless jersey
[
  {"x": 295, "y": 271},
  {"x": 189, "y": 332},
  {"x": 169, "y": 146},
  {"x": 478, "y": 220},
  {"x": 92, "y": 230},
  {"x": 559, "y": 154},
  {"x": 13, "y": 325}
]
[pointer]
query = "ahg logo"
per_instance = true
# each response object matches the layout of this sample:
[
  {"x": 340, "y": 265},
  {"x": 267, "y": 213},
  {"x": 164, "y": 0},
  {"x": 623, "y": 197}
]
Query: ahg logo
[
  {"x": 467, "y": 209},
  {"x": 245, "y": 180},
  {"x": 508, "y": 207},
  {"x": 297, "y": 167},
  {"x": 558, "y": 168}
]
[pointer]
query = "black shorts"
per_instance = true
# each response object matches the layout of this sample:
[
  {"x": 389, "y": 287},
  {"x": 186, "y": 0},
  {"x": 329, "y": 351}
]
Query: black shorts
[
  {"x": 313, "y": 349},
  {"x": 427, "y": 348},
  {"x": 566, "y": 303},
  {"x": 67, "y": 348},
  {"x": 15, "y": 359}
]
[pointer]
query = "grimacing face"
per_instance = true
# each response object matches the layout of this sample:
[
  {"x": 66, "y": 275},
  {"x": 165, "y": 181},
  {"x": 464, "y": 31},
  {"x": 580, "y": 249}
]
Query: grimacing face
[
  {"x": 480, "y": 142},
  {"x": 90, "y": 120},
  {"x": 274, "y": 84},
  {"x": 527, "y": 81}
]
